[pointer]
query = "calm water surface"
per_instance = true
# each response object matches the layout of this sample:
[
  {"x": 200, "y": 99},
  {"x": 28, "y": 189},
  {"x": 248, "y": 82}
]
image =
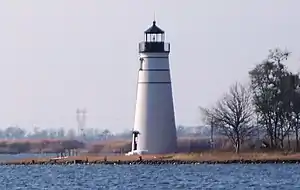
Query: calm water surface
[{"x": 235, "y": 176}]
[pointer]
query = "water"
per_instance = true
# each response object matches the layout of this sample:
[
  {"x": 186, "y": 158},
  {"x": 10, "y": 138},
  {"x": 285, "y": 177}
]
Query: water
[{"x": 140, "y": 177}]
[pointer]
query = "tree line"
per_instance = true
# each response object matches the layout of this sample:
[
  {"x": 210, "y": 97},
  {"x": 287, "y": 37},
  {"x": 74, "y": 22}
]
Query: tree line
[
  {"x": 266, "y": 108},
  {"x": 15, "y": 132}
]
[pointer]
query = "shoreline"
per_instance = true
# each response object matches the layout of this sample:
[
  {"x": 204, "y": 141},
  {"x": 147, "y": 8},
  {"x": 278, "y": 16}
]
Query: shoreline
[{"x": 175, "y": 159}]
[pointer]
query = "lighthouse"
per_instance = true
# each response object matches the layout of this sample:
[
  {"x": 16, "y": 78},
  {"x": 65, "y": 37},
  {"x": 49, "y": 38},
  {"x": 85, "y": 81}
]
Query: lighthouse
[{"x": 154, "y": 123}]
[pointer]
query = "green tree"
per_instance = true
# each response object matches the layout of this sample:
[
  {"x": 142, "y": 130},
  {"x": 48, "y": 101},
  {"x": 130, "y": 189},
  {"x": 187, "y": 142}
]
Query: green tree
[
  {"x": 291, "y": 100},
  {"x": 270, "y": 95}
]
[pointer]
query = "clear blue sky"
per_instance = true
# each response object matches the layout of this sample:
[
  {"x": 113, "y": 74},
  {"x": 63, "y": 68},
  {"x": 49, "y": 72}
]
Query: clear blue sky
[{"x": 56, "y": 56}]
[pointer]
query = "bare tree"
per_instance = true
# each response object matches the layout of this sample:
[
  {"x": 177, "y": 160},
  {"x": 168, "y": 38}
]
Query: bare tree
[{"x": 232, "y": 115}]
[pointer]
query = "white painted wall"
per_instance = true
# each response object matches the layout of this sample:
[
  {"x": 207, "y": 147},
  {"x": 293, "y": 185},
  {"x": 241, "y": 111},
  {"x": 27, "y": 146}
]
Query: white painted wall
[{"x": 154, "y": 114}]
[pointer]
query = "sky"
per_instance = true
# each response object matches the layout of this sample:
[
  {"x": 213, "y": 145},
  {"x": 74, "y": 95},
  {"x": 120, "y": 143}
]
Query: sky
[{"x": 60, "y": 55}]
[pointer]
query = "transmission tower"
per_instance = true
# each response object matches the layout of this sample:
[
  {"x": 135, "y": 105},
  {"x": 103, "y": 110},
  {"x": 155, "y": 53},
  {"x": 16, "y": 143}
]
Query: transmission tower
[{"x": 81, "y": 119}]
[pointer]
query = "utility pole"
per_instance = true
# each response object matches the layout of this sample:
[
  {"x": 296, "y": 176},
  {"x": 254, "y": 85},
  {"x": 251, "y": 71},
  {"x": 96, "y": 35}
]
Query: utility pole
[
  {"x": 81, "y": 119},
  {"x": 212, "y": 134}
]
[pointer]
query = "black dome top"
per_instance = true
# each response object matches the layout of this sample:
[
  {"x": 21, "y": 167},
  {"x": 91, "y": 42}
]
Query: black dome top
[{"x": 154, "y": 29}]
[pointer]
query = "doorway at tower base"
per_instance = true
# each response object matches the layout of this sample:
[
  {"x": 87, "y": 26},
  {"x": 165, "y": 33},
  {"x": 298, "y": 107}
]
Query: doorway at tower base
[{"x": 137, "y": 152}]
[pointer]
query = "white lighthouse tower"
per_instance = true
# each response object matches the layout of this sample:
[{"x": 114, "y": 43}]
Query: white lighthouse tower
[{"x": 154, "y": 123}]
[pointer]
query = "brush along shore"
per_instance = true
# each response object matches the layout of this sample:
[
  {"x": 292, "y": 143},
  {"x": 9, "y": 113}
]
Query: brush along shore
[{"x": 180, "y": 158}]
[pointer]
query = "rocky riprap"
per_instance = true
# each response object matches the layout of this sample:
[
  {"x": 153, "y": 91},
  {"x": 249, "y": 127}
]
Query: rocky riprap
[{"x": 154, "y": 162}]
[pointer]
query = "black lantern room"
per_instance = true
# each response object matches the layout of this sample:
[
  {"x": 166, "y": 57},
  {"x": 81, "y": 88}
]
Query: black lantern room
[{"x": 154, "y": 41}]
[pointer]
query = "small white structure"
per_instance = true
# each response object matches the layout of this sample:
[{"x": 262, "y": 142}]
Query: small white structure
[
  {"x": 136, "y": 152},
  {"x": 154, "y": 123}
]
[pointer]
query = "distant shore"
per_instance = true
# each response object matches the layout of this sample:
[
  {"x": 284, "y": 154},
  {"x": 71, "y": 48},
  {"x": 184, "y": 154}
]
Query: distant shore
[{"x": 188, "y": 158}]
